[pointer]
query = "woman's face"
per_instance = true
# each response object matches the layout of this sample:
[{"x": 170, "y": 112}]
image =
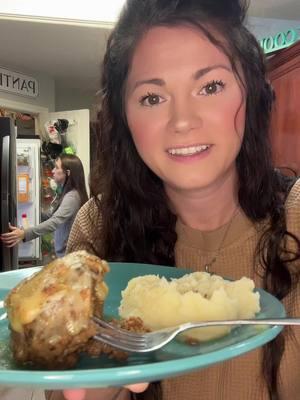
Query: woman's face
[
  {"x": 59, "y": 174},
  {"x": 185, "y": 108}
]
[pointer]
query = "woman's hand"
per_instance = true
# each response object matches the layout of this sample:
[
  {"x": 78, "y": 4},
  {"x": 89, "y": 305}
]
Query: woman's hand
[
  {"x": 80, "y": 394},
  {"x": 10, "y": 239}
]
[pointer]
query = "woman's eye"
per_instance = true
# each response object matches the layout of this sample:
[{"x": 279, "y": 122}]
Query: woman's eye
[
  {"x": 151, "y": 99},
  {"x": 213, "y": 87}
]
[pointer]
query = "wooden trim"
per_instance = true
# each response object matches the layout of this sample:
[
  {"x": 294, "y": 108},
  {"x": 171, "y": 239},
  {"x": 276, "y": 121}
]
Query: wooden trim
[
  {"x": 22, "y": 107},
  {"x": 57, "y": 21},
  {"x": 284, "y": 56},
  {"x": 285, "y": 69}
]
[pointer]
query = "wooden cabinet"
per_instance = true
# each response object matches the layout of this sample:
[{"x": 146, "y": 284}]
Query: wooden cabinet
[{"x": 284, "y": 74}]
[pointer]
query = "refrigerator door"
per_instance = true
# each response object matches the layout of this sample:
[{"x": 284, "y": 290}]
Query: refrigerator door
[
  {"x": 28, "y": 195},
  {"x": 8, "y": 257}
]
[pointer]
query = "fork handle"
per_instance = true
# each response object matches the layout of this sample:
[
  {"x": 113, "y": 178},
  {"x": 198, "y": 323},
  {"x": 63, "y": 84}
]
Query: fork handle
[{"x": 265, "y": 321}]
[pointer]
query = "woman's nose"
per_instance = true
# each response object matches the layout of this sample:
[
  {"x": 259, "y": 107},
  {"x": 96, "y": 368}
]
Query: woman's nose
[{"x": 184, "y": 116}]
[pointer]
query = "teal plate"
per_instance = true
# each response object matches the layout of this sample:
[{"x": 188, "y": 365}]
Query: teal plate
[{"x": 174, "y": 359}]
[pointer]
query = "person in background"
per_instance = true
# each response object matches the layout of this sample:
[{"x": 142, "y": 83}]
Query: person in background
[{"x": 69, "y": 174}]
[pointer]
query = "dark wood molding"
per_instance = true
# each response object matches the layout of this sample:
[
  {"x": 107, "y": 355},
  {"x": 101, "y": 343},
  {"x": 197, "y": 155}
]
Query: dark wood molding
[{"x": 283, "y": 56}]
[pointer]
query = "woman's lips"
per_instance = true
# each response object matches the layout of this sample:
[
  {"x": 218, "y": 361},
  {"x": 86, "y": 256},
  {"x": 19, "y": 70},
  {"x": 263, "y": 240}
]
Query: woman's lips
[{"x": 186, "y": 153}]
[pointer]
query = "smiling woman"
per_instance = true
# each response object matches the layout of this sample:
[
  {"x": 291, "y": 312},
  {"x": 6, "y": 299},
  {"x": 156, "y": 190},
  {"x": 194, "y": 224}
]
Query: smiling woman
[
  {"x": 171, "y": 102},
  {"x": 186, "y": 179}
]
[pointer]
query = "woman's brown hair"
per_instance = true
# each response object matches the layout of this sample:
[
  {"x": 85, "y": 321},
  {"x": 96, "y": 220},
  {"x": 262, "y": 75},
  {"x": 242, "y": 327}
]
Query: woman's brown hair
[
  {"x": 73, "y": 168},
  {"x": 137, "y": 224}
]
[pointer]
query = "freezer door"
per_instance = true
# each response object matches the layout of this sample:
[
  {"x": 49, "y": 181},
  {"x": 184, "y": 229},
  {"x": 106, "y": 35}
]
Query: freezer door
[{"x": 9, "y": 258}]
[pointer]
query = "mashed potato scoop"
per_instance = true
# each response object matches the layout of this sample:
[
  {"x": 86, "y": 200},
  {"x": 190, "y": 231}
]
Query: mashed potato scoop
[{"x": 195, "y": 297}]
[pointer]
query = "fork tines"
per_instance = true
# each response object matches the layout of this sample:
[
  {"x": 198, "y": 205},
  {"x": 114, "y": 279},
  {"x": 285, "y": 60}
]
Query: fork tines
[
  {"x": 115, "y": 328},
  {"x": 120, "y": 338}
]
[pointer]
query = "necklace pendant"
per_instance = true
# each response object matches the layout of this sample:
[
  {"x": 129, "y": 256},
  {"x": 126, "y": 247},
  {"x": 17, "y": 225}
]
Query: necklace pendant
[{"x": 208, "y": 265}]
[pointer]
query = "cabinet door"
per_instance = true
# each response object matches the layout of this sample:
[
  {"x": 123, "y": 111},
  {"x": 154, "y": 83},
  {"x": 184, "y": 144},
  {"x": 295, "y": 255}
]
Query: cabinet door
[{"x": 284, "y": 74}]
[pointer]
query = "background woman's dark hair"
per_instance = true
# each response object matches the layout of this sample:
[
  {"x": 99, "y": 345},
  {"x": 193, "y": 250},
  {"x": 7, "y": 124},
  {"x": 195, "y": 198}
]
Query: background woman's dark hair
[
  {"x": 137, "y": 224},
  {"x": 75, "y": 176}
]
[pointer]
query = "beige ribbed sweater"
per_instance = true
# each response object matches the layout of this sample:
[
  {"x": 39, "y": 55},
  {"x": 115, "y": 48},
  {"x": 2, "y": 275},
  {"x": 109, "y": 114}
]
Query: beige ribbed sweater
[{"x": 239, "y": 378}]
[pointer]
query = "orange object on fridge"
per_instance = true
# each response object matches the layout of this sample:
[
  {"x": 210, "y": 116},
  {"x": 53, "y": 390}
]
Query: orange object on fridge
[{"x": 23, "y": 188}]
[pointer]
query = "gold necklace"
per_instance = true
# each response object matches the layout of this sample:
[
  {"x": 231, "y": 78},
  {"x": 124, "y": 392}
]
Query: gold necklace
[{"x": 208, "y": 265}]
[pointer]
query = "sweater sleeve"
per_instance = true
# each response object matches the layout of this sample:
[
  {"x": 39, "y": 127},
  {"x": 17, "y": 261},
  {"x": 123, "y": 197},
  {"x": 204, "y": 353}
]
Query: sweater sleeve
[
  {"x": 85, "y": 230},
  {"x": 290, "y": 375},
  {"x": 69, "y": 205}
]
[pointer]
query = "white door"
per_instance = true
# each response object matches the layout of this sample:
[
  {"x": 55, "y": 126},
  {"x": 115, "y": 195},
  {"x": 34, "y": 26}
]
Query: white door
[{"x": 78, "y": 133}]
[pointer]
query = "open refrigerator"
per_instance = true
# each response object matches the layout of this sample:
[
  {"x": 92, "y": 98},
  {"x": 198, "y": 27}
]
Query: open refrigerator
[
  {"x": 28, "y": 195},
  {"x": 25, "y": 180}
]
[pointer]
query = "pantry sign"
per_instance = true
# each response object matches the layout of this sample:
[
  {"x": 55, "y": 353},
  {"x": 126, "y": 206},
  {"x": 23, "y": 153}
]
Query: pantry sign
[{"x": 17, "y": 83}]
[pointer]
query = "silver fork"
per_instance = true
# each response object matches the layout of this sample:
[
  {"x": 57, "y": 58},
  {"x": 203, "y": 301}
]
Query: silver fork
[{"x": 150, "y": 341}]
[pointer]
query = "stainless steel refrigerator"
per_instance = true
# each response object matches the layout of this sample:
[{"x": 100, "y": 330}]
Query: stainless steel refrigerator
[{"x": 8, "y": 210}]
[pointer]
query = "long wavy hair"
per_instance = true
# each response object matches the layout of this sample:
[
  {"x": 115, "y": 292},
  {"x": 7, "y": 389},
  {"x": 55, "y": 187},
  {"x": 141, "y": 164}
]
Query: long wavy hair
[
  {"x": 137, "y": 224},
  {"x": 73, "y": 168}
]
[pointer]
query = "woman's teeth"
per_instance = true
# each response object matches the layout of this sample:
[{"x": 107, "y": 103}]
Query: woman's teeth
[{"x": 188, "y": 151}]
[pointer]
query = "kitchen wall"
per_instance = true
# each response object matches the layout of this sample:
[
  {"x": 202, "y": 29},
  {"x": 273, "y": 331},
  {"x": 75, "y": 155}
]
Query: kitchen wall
[
  {"x": 73, "y": 99},
  {"x": 53, "y": 96},
  {"x": 264, "y": 27}
]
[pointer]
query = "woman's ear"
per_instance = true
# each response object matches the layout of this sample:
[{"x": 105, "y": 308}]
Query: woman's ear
[{"x": 68, "y": 172}]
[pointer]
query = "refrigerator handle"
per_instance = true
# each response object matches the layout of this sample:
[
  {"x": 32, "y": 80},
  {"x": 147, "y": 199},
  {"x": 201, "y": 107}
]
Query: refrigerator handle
[{"x": 6, "y": 252}]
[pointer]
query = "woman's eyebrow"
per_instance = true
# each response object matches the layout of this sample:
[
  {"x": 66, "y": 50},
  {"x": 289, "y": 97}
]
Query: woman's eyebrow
[
  {"x": 203, "y": 71},
  {"x": 153, "y": 81}
]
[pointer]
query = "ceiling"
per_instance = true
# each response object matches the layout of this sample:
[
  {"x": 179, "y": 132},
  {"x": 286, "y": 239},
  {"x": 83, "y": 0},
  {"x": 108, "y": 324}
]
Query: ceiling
[{"x": 71, "y": 54}]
